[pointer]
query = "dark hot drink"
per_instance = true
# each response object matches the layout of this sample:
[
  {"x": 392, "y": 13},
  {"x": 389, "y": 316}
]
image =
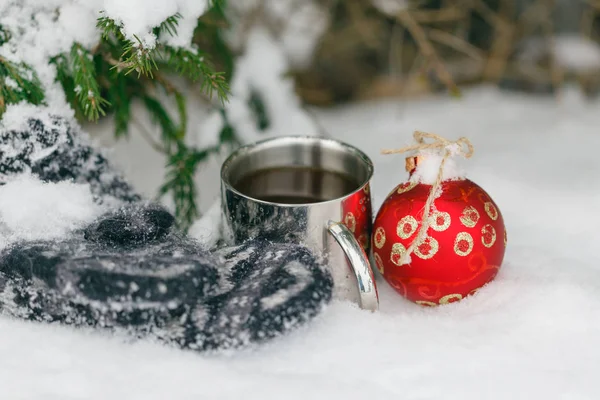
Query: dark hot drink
[{"x": 296, "y": 185}]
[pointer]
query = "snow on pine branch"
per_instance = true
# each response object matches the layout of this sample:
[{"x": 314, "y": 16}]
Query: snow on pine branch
[{"x": 33, "y": 32}]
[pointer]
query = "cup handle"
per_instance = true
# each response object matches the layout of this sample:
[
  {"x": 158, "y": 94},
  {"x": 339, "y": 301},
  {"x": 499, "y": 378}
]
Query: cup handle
[{"x": 369, "y": 298}]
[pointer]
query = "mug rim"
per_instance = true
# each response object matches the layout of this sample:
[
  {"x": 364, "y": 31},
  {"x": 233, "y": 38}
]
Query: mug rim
[{"x": 240, "y": 151}]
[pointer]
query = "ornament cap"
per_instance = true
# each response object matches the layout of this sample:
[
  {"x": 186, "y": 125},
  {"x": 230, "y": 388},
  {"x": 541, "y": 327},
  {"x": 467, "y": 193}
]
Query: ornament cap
[{"x": 410, "y": 164}]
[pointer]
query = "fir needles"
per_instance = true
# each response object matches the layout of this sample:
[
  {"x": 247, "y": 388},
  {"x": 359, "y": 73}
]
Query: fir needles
[{"x": 107, "y": 74}]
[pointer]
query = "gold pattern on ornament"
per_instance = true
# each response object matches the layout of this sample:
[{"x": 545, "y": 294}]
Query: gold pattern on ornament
[
  {"x": 350, "y": 222},
  {"x": 451, "y": 298},
  {"x": 426, "y": 303},
  {"x": 463, "y": 244},
  {"x": 378, "y": 262},
  {"x": 505, "y": 240},
  {"x": 439, "y": 221},
  {"x": 427, "y": 248},
  {"x": 469, "y": 217},
  {"x": 491, "y": 210},
  {"x": 379, "y": 237},
  {"x": 406, "y": 227},
  {"x": 488, "y": 235},
  {"x": 405, "y": 187},
  {"x": 398, "y": 251}
]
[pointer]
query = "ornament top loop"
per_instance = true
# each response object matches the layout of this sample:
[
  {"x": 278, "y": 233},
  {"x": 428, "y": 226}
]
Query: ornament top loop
[{"x": 461, "y": 147}]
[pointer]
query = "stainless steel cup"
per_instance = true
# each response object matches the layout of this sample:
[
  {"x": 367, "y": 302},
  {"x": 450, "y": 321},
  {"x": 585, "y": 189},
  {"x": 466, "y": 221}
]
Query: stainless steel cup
[{"x": 306, "y": 190}]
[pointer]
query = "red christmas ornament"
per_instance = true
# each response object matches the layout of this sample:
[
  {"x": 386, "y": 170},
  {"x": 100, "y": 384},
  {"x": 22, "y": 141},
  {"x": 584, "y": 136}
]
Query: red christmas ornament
[{"x": 461, "y": 249}]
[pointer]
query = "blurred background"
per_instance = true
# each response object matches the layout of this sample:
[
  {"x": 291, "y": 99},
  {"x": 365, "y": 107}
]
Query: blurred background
[{"x": 291, "y": 62}]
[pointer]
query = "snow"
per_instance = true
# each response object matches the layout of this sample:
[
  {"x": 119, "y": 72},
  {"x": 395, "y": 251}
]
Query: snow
[
  {"x": 261, "y": 68},
  {"x": 297, "y": 25},
  {"x": 42, "y": 29},
  {"x": 207, "y": 229},
  {"x": 138, "y": 17},
  {"x": 571, "y": 51},
  {"x": 303, "y": 24},
  {"x": 10, "y": 83},
  {"x": 532, "y": 333},
  {"x": 577, "y": 52},
  {"x": 390, "y": 7},
  {"x": 33, "y": 210}
]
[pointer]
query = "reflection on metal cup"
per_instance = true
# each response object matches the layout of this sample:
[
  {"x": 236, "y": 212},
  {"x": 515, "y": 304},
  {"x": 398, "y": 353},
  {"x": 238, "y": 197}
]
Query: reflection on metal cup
[{"x": 306, "y": 190}]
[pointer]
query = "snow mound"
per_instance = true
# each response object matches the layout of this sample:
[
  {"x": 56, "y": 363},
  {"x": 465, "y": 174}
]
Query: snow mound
[{"x": 33, "y": 210}]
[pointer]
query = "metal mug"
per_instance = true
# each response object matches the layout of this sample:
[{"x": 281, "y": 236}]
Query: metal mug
[{"x": 307, "y": 190}]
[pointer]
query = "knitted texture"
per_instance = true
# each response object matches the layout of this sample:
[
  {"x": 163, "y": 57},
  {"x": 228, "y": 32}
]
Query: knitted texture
[
  {"x": 54, "y": 150},
  {"x": 131, "y": 271}
]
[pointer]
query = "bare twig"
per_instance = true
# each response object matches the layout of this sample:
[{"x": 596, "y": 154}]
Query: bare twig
[
  {"x": 417, "y": 32},
  {"x": 556, "y": 72},
  {"x": 448, "y": 14},
  {"x": 502, "y": 45},
  {"x": 360, "y": 22},
  {"x": 395, "y": 52},
  {"x": 456, "y": 43}
]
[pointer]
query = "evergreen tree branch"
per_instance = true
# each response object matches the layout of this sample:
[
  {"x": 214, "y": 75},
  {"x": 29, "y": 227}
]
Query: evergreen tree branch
[
  {"x": 65, "y": 77},
  {"x": 4, "y": 35},
  {"x": 196, "y": 66},
  {"x": 99, "y": 81},
  {"x": 18, "y": 83},
  {"x": 87, "y": 88},
  {"x": 137, "y": 58},
  {"x": 168, "y": 26},
  {"x": 181, "y": 170}
]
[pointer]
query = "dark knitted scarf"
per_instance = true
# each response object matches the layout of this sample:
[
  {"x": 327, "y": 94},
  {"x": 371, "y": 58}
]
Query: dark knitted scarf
[{"x": 131, "y": 271}]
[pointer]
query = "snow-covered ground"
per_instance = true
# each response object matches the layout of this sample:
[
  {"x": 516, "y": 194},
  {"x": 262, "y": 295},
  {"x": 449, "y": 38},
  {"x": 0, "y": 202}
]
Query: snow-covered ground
[{"x": 533, "y": 333}]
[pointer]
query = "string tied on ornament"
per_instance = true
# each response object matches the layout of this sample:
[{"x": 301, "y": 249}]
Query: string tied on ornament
[{"x": 461, "y": 146}]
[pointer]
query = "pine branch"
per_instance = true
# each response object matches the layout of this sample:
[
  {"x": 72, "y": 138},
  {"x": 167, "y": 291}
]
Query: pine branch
[
  {"x": 121, "y": 101},
  {"x": 4, "y": 35},
  {"x": 137, "y": 58},
  {"x": 18, "y": 83},
  {"x": 109, "y": 27},
  {"x": 160, "y": 116},
  {"x": 168, "y": 26},
  {"x": 196, "y": 66},
  {"x": 65, "y": 77},
  {"x": 218, "y": 5},
  {"x": 180, "y": 181},
  {"x": 87, "y": 89}
]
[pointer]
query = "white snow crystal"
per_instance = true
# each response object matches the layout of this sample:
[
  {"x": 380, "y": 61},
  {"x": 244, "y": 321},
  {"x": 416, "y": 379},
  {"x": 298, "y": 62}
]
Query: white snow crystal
[
  {"x": 262, "y": 69},
  {"x": 10, "y": 82},
  {"x": 577, "y": 52},
  {"x": 300, "y": 25},
  {"x": 140, "y": 16},
  {"x": 207, "y": 230},
  {"x": 390, "y": 7},
  {"x": 32, "y": 210}
]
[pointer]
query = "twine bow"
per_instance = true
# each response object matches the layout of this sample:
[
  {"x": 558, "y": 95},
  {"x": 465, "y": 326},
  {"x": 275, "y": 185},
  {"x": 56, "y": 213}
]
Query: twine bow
[{"x": 461, "y": 147}]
